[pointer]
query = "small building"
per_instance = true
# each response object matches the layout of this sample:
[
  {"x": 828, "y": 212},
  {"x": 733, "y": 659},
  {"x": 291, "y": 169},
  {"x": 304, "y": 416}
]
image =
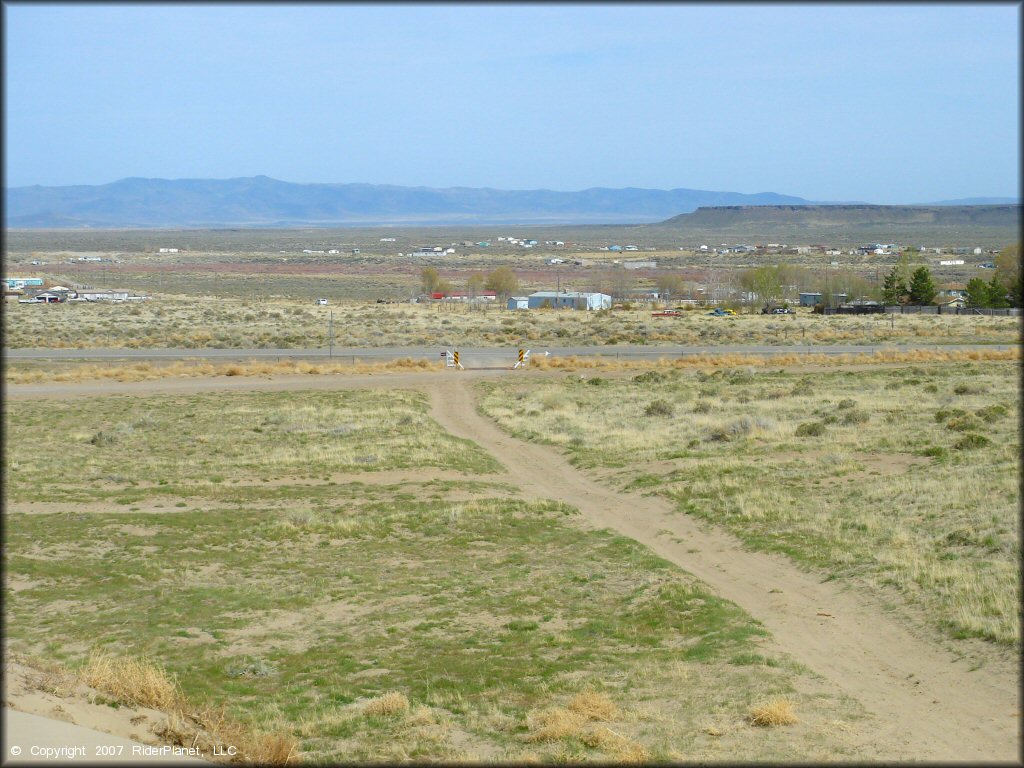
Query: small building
[
  {"x": 640, "y": 264},
  {"x": 569, "y": 300},
  {"x": 810, "y": 299},
  {"x": 428, "y": 250},
  {"x": 16, "y": 283},
  {"x": 46, "y": 297},
  {"x": 518, "y": 302},
  {"x": 463, "y": 296},
  {"x": 101, "y": 296}
]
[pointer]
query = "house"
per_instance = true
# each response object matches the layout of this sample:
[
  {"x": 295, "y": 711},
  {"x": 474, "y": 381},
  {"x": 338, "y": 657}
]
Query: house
[
  {"x": 641, "y": 294},
  {"x": 810, "y": 299},
  {"x": 15, "y": 283},
  {"x": 101, "y": 296},
  {"x": 168, "y": 250},
  {"x": 463, "y": 296},
  {"x": 428, "y": 250},
  {"x": 569, "y": 300},
  {"x": 46, "y": 297}
]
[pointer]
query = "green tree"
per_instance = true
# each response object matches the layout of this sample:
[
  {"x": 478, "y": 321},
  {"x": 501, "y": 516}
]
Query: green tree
[
  {"x": 765, "y": 282},
  {"x": 1008, "y": 271},
  {"x": 922, "y": 287},
  {"x": 977, "y": 293},
  {"x": 998, "y": 294},
  {"x": 894, "y": 289},
  {"x": 502, "y": 281},
  {"x": 670, "y": 286},
  {"x": 430, "y": 280},
  {"x": 475, "y": 284}
]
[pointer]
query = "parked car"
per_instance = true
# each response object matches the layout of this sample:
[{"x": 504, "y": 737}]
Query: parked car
[
  {"x": 667, "y": 313},
  {"x": 321, "y": 302},
  {"x": 719, "y": 312}
]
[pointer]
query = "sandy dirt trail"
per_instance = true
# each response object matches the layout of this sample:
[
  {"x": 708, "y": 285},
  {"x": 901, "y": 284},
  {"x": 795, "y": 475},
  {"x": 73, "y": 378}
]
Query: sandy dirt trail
[{"x": 927, "y": 704}]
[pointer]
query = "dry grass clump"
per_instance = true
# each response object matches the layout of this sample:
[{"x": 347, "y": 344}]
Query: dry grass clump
[
  {"x": 774, "y": 712},
  {"x": 554, "y": 723},
  {"x": 143, "y": 683},
  {"x": 594, "y": 706},
  {"x": 617, "y": 746},
  {"x": 557, "y": 723},
  {"x": 136, "y": 681},
  {"x": 390, "y": 703},
  {"x": 214, "y": 727}
]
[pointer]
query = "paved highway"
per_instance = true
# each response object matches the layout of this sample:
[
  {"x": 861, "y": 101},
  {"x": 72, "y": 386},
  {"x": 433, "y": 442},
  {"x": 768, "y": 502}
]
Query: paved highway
[{"x": 470, "y": 356}]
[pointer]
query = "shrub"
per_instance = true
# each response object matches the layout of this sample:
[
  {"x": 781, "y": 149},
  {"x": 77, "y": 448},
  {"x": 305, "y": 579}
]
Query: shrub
[
  {"x": 739, "y": 376},
  {"x": 964, "y": 424},
  {"x": 855, "y": 416},
  {"x": 103, "y": 439},
  {"x": 970, "y": 441},
  {"x": 659, "y": 408},
  {"x": 702, "y": 406},
  {"x": 810, "y": 429},
  {"x": 251, "y": 668},
  {"x": 968, "y": 389},
  {"x": 651, "y": 377},
  {"x": 845, "y": 404},
  {"x": 943, "y": 414},
  {"x": 992, "y": 413},
  {"x": 803, "y": 387}
]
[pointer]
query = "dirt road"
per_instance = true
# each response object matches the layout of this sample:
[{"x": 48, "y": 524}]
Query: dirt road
[{"x": 927, "y": 703}]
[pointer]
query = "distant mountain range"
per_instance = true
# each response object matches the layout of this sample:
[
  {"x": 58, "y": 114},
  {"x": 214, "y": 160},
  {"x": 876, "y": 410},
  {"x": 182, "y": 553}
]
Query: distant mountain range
[
  {"x": 958, "y": 225},
  {"x": 264, "y": 202},
  {"x": 948, "y": 215}
]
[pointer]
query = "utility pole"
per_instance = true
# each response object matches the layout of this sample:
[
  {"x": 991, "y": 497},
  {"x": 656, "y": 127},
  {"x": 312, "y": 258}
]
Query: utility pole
[{"x": 330, "y": 333}]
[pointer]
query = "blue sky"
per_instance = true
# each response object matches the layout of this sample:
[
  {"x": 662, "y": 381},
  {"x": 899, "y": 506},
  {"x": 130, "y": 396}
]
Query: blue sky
[{"x": 880, "y": 103}]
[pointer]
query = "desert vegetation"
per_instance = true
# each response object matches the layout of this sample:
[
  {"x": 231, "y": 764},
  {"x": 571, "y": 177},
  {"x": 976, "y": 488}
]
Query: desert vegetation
[
  {"x": 335, "y": 572},
  {"x": 193, "y": 323},
  {"x": 904, "y": 479}
]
